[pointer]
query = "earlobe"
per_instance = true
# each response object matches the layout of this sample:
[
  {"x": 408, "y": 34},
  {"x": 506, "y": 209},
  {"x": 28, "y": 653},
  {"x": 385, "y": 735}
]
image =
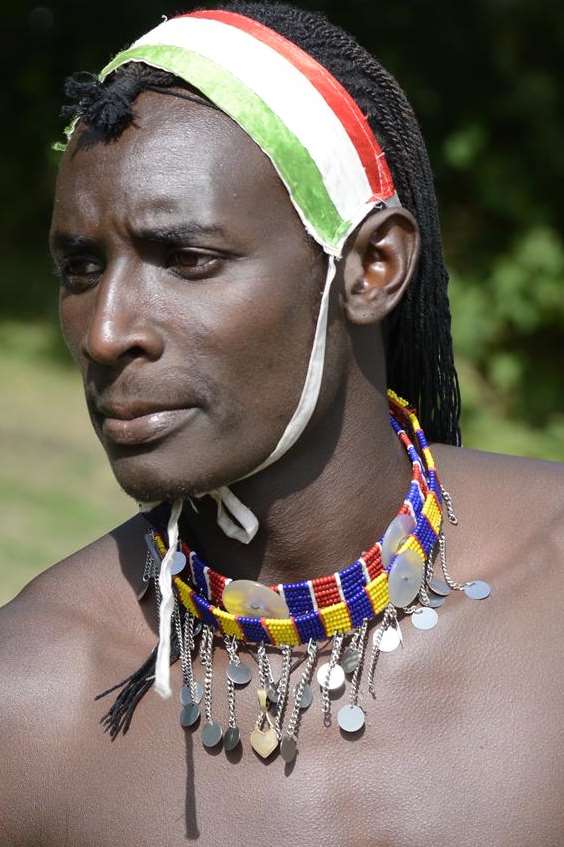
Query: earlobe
[{"x": 379, "y": 264}]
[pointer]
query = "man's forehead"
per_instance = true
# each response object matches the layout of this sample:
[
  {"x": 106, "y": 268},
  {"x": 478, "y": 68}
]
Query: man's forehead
[{"x": 177, "y": 156}]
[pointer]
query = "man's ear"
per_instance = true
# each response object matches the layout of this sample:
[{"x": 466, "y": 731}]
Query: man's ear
[{"x": 379, "y": 264}]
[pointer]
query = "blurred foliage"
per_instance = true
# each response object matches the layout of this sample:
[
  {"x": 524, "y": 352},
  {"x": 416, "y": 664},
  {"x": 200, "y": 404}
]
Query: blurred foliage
[{"x": 484, "y": 79}]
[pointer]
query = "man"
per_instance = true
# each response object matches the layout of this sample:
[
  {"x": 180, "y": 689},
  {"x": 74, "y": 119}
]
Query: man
[{"x": 190, "y": 300}]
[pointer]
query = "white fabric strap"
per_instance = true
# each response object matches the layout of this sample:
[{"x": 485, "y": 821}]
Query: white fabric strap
[
  {"x": 166, "y": 608},
  {"x": 248, "y": 524}
]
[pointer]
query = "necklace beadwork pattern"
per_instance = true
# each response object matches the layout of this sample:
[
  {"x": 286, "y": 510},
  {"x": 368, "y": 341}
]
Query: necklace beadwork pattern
[{"x": 395, "y": 573}]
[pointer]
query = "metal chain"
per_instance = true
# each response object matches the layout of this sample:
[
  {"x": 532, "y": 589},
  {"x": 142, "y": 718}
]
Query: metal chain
[
  {"x": 360, "y": 645},
  {"x": 206, "y": 656},
  {"x": 333, "y": 659},
  {"x": 456, "y": 586},
  {"x": 283, "y": 686},
  {"x": 389, "y": 614},
  {"x": 293, "y": 723},
  {"x": 447, "y": 497},
  {"x": 231, "y": 647}
]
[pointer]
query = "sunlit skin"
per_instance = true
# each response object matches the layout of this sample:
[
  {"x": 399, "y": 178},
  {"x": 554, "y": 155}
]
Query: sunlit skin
[{"x": 463, "y": 740}]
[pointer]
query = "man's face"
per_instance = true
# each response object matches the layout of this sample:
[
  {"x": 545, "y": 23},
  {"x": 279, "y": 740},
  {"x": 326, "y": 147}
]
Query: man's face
[{"x": 189, "y": 296}]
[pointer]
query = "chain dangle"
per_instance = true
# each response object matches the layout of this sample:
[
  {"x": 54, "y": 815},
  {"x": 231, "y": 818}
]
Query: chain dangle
[
  {"x": 389, "y": 615},
  {"x": 360, "y": 645},
  {"x": 283, "y": 688},
  {"x": 333, "y": 661},
  {"x": 455, "y": 586},
  {"x": 447, "y": 497}
]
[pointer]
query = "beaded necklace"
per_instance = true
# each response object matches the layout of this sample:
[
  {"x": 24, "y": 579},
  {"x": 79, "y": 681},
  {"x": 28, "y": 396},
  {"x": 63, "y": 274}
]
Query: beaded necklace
[{"x": 394, "y": 575}]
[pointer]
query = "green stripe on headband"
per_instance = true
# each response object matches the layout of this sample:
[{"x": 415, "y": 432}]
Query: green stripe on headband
[{"x": 290, "y": 158}]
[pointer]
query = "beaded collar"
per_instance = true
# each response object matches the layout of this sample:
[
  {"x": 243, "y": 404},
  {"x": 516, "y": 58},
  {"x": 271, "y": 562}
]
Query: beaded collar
[
  {"x": 393, "y": 576},
  {"x": 319, "y": 608}
]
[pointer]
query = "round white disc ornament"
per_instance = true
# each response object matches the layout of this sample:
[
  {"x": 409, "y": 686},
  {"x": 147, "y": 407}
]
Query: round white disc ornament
[
  {"x": 425, "y": 618},
  {"x": 336, "y": 677}
]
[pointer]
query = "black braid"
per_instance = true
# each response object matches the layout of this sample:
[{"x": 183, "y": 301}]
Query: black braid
[{"x": 419, "y": 355}]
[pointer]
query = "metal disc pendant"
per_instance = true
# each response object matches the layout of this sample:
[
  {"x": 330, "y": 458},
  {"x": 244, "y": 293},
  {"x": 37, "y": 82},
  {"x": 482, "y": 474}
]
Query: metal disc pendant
[
  {"x": 186, "y": 695},
  {"x": 391, "y": 639},
  {"x": 231, "y": 738},
  {"x": 350, "y": 660},
  {"x": 189, "y": 715},
  {"x": 405, "y": 578},
  {"x": 251, "y": 599},
  {"x": 307, "y": 697},
  {"x": 288, "y": 748},
  {"x": 336, "y": 677},
  {"x": 434, "y": 601},
  {"x": 240, "y": 674},
  {"x": 395, "y": 535},
  {"x": 424, "y": 618},
  {"x": 350, "y": 718},
  {"x": 264, "y": 742},
  {"x": 212, "y": 734},
  {"x": 478, "y": 590},
  {"x": 440, "y": 587},
  {"x": 178, "y": 563}
]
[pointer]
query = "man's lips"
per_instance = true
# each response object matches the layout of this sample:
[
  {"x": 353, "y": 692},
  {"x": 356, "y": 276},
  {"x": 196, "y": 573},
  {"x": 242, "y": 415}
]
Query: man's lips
[{"x": 124, "y": 426}]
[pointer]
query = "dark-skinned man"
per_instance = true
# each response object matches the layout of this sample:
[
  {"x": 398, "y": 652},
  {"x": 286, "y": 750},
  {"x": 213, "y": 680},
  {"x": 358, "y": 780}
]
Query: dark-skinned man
[{"x": 247, "y": 264}]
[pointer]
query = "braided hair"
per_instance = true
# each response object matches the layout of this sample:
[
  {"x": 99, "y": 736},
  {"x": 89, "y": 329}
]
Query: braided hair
[{"x": 419, "y": 354}]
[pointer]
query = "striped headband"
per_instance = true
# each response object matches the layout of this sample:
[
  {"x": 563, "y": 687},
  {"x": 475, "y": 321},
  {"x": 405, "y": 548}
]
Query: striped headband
[{"x": 315, "y": 135}]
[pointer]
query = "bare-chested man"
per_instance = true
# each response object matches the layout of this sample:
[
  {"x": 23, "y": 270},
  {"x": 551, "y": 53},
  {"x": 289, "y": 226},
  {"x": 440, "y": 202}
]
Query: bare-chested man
[{"x": 191, "y": 295}]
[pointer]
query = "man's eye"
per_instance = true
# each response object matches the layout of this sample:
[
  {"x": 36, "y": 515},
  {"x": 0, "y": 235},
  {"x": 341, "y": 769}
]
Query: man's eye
[
  {"x": 77, "y": 274},
  {"x": 192, "y": 263}
]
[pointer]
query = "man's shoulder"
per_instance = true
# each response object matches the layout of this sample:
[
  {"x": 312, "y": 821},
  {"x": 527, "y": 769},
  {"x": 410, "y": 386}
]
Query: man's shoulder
[
  {"x": 54, "y": 636},
  {"x": 514, "y": 478},
  {"x": 510, "y": 510},
  {"x": 50, "y": 630}
]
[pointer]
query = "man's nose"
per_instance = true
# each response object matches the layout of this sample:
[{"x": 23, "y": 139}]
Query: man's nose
[{"x": 121, "y": 325}]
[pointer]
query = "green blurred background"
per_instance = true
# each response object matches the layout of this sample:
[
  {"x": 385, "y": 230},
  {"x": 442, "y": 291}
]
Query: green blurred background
[{"x": 485, "y": 80}]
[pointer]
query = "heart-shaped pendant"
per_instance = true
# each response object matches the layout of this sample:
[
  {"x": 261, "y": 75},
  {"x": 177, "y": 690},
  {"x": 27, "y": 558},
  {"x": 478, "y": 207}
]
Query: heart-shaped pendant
[{"x": 264, "y": 742}]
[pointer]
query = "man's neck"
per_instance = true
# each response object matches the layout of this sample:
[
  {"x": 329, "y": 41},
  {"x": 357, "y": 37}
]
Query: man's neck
[{"x": 331, "y": 497}]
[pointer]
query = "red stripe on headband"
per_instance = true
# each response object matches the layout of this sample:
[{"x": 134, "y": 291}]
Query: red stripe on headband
[{"x": 338, "y": 98}]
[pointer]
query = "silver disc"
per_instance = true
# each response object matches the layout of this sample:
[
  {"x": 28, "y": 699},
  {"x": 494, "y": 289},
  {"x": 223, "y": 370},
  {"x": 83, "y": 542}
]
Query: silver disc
[
  {"x": 434, "y": 601},
  {"x": 212, "y": 734},
  {"x": 336, "y": 678},
  {"x": 424, "y": 618},
  {"x": 178, "y": 563},
  {"x": 197, "y": 628},
  {"x": 189, "y": 715},
  {"x": 350, "y": 660},
  {"x": 439, "y": 586},
  {"x": 231, "y": 738},
  {"x": 307, "y": 697},
  {"x": 185, "y": 696},
  {"x": 240, "y": 674},
  {"x": 288, "y": 748},
  {"x": 478, "y": 590},
  {"x": 391, "y": 639},
  {"x": 350, "y": 718}
]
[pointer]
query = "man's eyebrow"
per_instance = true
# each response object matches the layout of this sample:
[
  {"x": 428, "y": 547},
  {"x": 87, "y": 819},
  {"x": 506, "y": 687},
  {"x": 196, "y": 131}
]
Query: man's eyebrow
[
  {"x": 178, "y": 232},
  {"x": 69, "y": 242}
]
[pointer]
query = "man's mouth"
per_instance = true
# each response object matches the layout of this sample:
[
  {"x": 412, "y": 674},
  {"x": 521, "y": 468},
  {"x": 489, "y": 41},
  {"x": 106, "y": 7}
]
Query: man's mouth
[{"x": 131, "y": 425}]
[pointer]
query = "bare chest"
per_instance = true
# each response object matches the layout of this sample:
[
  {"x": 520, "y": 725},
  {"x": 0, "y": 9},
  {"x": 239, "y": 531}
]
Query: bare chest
[{"x": 462, "y": 744}]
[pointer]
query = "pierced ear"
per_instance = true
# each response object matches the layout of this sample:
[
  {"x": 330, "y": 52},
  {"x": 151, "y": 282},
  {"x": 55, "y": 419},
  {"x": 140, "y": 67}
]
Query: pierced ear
[{"x": 379, "y": 264}]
